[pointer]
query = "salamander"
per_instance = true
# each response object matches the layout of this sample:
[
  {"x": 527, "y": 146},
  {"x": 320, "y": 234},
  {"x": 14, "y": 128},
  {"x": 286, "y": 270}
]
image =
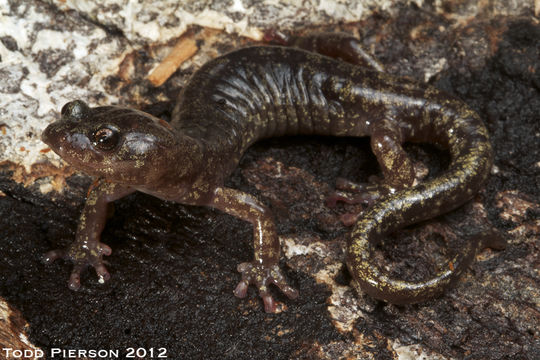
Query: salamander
[{"x": 326, "y": 85}]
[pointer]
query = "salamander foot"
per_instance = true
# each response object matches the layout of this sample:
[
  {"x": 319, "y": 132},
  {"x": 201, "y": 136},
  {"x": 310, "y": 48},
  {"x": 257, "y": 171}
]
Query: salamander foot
[
  {"x": 82, "y": 257},
  {"x": 255, "y": 273},
  {"x": 355, "y": 193}
]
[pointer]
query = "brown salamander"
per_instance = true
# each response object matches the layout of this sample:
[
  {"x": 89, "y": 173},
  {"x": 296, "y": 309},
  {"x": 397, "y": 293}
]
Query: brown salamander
[{"x": 257, "y": 92}]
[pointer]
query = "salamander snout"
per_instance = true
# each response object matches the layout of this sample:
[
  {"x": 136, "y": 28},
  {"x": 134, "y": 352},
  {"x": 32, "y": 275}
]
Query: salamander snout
[
  {"x": 64, "y": 140},
  {"x": 47, "y": 135},
  {"x": 57, "y": 133},
  {"x": 68, "y": 133}
]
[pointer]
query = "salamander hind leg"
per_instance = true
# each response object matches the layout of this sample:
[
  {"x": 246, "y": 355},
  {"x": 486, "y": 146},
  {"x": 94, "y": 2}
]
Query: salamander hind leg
[
  {"x": 336, "y": 45},
  {"x": 396, "y": 166},
  {"x": 264, "y": 269},
  {"x": 352, "y": 193}
]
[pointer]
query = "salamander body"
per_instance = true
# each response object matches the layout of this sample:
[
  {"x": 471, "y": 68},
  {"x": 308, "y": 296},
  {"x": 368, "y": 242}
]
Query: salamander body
[{"x": 266, "y": 91}]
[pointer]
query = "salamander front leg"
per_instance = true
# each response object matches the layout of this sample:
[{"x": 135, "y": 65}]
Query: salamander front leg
[
  {"x": 87, "y": 250},
  {"x": 264, "y": 269}
]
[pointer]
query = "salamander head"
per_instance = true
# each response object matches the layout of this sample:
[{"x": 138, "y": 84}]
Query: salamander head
[{"x": 120, "y": 144}]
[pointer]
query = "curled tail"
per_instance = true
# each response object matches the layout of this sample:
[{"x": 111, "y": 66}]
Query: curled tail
[{"x": 471, "y": 154}]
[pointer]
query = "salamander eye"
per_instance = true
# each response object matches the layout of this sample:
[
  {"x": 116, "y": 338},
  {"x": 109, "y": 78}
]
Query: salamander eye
[
  {"x": 105, "y": 138},
  {"x": 75, "y": 110}
]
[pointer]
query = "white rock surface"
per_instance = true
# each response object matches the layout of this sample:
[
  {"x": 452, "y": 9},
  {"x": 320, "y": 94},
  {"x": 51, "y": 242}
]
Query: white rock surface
[
  {"x": 162, "y": 20},
  {"x": 42, "y": 67}
]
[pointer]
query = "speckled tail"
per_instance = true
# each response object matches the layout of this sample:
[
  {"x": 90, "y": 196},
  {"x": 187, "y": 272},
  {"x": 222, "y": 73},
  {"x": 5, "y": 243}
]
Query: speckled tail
[{"x": 471, "y": 162}]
